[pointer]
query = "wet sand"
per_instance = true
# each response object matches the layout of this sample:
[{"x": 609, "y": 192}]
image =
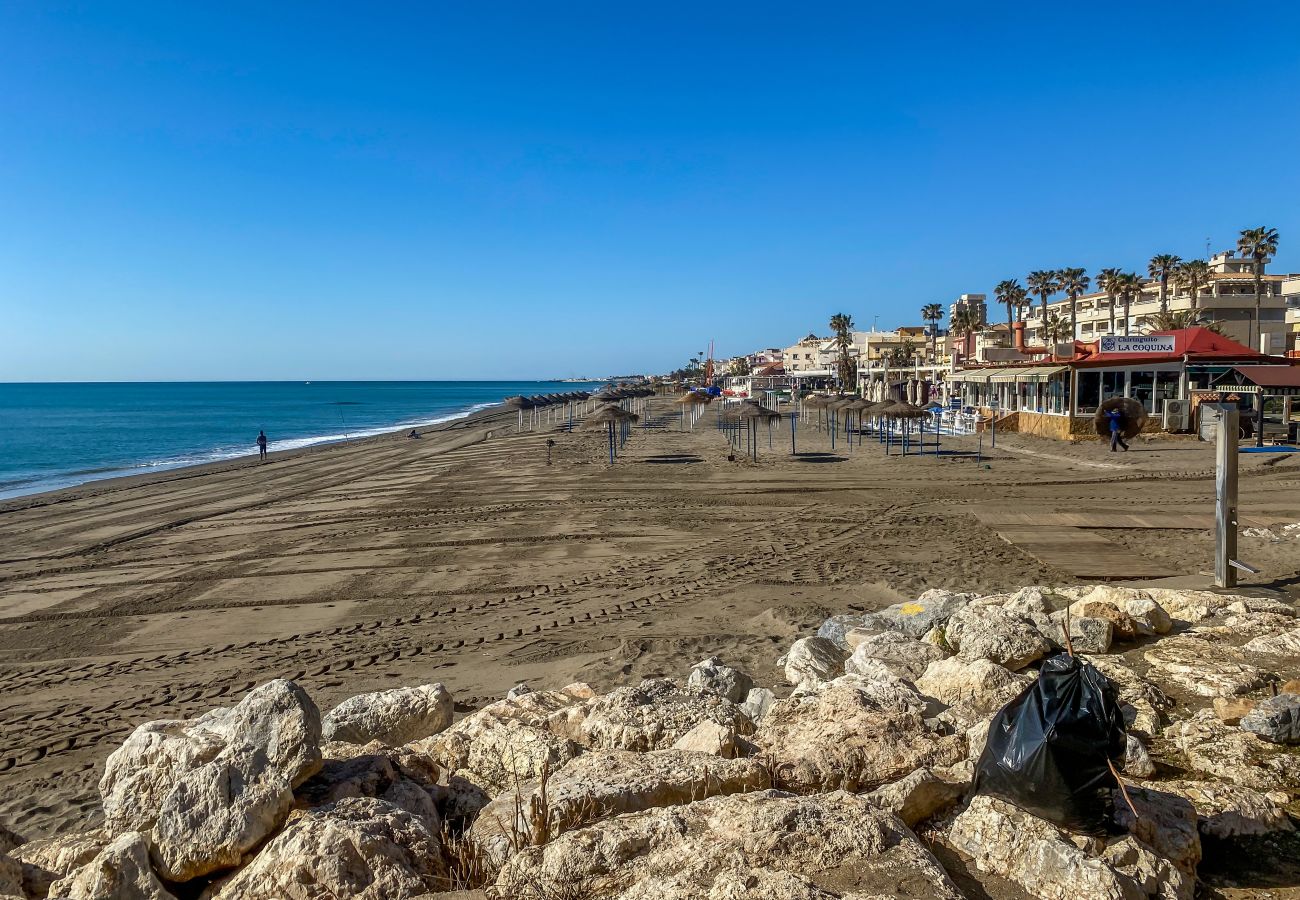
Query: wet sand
[{"x": 464, "y": 558}]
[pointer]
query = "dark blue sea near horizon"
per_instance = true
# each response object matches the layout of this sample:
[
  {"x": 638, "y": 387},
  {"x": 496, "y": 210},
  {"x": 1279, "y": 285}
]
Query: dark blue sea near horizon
[{"x": 59, "y": 435}]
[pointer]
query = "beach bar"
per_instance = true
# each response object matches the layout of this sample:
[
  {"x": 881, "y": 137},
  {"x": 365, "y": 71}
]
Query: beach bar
[{"x": 1058, "y": 396}]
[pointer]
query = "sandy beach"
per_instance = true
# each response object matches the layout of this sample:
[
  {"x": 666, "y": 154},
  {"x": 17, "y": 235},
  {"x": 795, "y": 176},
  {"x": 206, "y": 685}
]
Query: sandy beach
[{"x": 463, "y": 557}]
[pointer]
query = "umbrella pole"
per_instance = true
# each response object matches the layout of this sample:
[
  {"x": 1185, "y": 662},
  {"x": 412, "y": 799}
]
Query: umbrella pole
[
  {"x": 611, "y": 443},
  {"x": 793, "y": 422}
]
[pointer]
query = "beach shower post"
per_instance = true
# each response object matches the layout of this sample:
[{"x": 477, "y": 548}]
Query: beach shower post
[{"x": 1225, "y": 497}]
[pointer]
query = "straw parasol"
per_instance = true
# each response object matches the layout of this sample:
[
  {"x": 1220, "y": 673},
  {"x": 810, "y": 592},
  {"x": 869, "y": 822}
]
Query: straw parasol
[
  {"x": 1133, "y": 417},
  {"x": 751, "y": 413},
  {"x": 609, "y": 417}
]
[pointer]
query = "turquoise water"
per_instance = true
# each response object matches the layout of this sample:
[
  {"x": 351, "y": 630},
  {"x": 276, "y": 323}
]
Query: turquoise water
[{"x": 58, "y": 435}]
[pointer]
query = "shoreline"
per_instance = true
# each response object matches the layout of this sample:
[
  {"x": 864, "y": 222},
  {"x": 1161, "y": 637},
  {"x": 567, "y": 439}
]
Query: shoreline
[{"x": 185, "y": 471}]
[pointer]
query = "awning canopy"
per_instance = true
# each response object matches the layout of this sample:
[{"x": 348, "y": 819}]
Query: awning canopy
[
  {"x": 1042, "y": 373},
  {"x": 978, "y": 376},
  {"x": 1005, "y": 375}
]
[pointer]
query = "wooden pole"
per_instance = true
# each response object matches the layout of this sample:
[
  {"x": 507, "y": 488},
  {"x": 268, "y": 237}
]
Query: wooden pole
[{"x": 1225, "y": 496}]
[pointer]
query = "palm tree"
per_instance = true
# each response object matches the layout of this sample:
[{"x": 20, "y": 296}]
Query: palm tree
[
  {"x": 1162, "y": 265},
  {"x": 1056, "y": 329},
  {"x": 1074, "y": 282},
  {"x": 1259, "y": 244},
  {"x": 1129, "y": 284},
  {"x": 1193, "y": 274},
  {"x": 842, "y": 325},
  {"x": 1108, "y": 281},
  {"x": 932, "y": 313},
  {"x": 1013, "y": 295},
  {"x": 1180, "y": 319},
  {"x": 902, "y": 354},
  {"x": 1042, "y": 284},
  {"x": 964, "y": 321}
]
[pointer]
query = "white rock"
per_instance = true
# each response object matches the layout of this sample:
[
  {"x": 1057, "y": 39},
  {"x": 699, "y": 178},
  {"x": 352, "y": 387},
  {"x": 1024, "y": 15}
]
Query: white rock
[
  {"x": 391, "y": 717},
  {"x": 1144, "y": 705},
  {"x": 654, "y": 715},
  {"x": 47, "y": 860},
  {"x": 1275, "y": 719},
  {"x": 356, "y": 849},
  {"x": 918, "y": 796},
  {"x": 397, "y": 775},
  {"x": 1215, "y": 750},
  {"x": 1285, "y": 644},
  {"x": 733, "y": 847},
  {"x": 1202, "y": 667},
  {"x": 118, "y": 872},
  {"x": 1150, "y": 616},
  {"x": 606, "y": 783},
  {"x": 813, "y": 660},
  {"x": 207, "y": 790},
  {"x": 1008, "y": 639},
  {"x": 1137, "y": 762},
  {"x": 975, "y": 690},
  {"x": 1230, "y": 810},
  {"x": 853, "y": 733},
  {"x": 505, "y": 742},
  {"x": 906, "y": 657},
  {"x": 712, "y": 676},
  {"x": 1048, "y": 862},
  {"x": 757, "y": 702}
]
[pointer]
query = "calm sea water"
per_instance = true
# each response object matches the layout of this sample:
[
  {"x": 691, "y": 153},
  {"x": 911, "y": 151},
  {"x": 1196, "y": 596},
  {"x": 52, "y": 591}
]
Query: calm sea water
[{"x": 58, "y": 435}]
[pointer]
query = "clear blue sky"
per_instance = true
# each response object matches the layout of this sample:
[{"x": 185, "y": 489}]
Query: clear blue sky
[{"x": 527, "y": 189}]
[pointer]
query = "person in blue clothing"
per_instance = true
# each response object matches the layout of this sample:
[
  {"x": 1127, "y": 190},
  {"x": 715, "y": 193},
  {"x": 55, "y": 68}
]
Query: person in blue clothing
[
  {"x": 261, "y": 445},
  {"x": 1116, "y": 419}
]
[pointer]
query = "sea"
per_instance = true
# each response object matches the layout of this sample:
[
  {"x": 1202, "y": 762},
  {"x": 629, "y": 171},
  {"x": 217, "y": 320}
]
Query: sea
[{"x": 58, "y": 435}]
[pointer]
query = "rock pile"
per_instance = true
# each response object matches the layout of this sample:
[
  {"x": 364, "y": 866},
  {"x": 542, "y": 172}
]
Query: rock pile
[{"x": 712, "y": 787}]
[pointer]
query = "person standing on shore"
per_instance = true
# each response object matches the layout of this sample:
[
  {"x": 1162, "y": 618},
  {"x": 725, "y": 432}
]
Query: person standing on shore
[
  {"x": 1116, "y": 429},
  {"x": 261, "y": 446}
]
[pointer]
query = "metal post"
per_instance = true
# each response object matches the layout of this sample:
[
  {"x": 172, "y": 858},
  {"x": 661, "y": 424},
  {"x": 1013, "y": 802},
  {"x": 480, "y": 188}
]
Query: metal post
[
  {"x": 1259, "y": 418},
  {"x": 793, "y": 424},
  {"x": 1225, "y": 497}
]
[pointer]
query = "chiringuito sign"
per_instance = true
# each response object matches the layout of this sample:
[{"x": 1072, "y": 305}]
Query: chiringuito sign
[{"x": 1150, "y": 343}]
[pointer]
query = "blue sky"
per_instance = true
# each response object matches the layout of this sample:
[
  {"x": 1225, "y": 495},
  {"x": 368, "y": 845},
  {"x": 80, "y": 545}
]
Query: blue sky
[{"x": 253, "y": 190}]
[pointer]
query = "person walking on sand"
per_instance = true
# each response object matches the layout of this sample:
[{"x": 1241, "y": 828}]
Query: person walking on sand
[
  {"x": 1116, "y": 429},
  {"x": 261, "y": 446}
]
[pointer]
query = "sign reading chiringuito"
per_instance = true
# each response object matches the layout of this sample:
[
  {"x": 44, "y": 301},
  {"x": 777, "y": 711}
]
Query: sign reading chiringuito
[{"x": 1147, "y": 343}]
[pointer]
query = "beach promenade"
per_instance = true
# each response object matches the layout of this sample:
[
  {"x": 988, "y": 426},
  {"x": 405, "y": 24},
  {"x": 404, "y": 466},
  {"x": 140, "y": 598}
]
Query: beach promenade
[{"x": 465, "y": 558}]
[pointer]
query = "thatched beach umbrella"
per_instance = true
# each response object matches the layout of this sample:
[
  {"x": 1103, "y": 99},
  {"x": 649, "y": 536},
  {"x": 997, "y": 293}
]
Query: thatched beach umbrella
[
  {"x": 695, "y": 400},
  {"x": 1133, "y": 417},
  {"x": 751, "y": 414},
  {"x": 609, "y": 417},
  {"x": 521, "y": 404},
  {"x": 903, "y": 413},
  {"x": 859, "y": 406},
  {"x": 816, "y": 402}
]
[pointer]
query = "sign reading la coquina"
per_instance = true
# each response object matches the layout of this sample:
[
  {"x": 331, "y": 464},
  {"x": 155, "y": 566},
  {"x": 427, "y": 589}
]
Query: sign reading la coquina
[{"x": 1153, "y": 343}]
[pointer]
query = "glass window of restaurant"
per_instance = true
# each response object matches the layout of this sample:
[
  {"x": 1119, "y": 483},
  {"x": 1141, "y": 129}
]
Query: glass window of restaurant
[{"x": 1089, "y": 386}]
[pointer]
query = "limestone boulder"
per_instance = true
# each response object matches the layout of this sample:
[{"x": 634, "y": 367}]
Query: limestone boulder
[
  {"x": 1008, "y": 639},
  {"x": 906, "y": 657},
  {"x": 846, "y": 629},
  {"x": 1187, "y": 606},
  {"x": 1088, "y": 634},
  {"x": 48, "y": 860},
  {"x": 1231, "y": 710},
  {"x": 1276, "y": 719},
  {"x": 1123, "y": 626},
  {"x": 391, "y": 717},
  {"x": 714, "y": 677},
  {"x": 397, "y": 775},
  {"x": 757, "y": 702},
  {"x": 1217, "y": 751},
  {"x": 920, "y": 795},
  {"x": 1286, "y": 643},
  {"x": 1150, "y": 616},
  {"x": 713, "y": 739},
  {"x": 356, "y": 849},
  {"x": 1145, "y": 706},
  {"x": 763, "y": 844},
  {"x": 654, "y": 715},
  {"x": 504, "y": 742},
  {"x": 974, "y": 690},
  {"x": 120, "y": 871},
  {"x": 812, "y": 661},
  {"x": 853, "y": 733},
  {"x": 1137, "y": 762},
  {"x": 1230, "y": 810},
  {"x": 207, "y": 790},
  {"x": 1210, "y": 669},
  {"x": 1046, "y": 861},
  {"x": 605, "y": 783}
]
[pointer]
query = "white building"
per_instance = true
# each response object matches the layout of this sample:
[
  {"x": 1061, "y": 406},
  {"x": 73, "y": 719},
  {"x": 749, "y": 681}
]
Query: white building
[{"x": 1228, "y": 297}]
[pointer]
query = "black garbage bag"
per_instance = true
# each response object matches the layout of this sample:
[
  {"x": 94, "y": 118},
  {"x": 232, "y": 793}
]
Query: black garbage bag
[{"x": 1048, "y": 749}]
